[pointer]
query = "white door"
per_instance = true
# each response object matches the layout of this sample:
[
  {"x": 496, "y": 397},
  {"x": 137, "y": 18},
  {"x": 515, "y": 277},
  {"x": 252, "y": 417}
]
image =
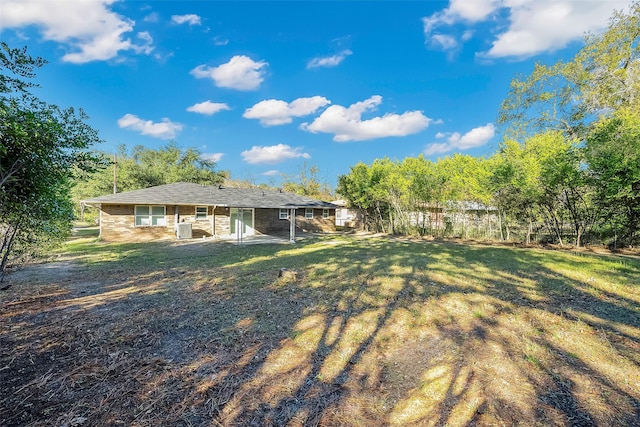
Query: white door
[{"x": 242, "y": 220}]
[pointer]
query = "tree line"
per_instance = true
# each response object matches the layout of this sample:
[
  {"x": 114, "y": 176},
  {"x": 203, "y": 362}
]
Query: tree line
[{"x": 567, "y": 170}]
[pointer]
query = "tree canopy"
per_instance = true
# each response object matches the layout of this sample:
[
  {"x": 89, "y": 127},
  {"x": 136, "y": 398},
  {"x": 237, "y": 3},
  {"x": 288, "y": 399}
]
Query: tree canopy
[
  {"x": 144, "y": 167},
  {"x": 41, "y": 147},
  {"x": 569, "y": 96}
]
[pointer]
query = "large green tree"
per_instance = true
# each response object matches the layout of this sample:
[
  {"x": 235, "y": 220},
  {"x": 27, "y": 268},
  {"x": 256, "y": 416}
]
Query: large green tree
[
  {"x": 146, "y": 167},
  {"x": 308, "y": 182},
  {"x": 613, "y": 153},
  {"x": 41, "y": 146},
  {"x": 568, "y": 96}
]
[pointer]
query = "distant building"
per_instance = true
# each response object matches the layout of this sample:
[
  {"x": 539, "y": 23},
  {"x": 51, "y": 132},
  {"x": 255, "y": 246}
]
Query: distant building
[{"x": 348, "y": 217}]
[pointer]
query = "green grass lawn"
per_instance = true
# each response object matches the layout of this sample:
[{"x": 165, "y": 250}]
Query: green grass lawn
[{"x": 374, "y": 331}]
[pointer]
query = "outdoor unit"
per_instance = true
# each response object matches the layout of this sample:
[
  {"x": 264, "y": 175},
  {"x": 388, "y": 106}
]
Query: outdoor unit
[{"x": 183, "y": 230}]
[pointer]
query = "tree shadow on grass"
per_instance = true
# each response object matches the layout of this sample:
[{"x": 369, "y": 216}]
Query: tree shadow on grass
[{"x": 378, "y": 332}]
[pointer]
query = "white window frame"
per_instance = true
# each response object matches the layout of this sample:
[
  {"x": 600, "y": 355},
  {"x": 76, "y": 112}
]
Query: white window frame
[
  {"x": 325, "y": 213},
  {"x": 148, "y": 220},
  {"x": 308, "y": 213},
  {"x": 199, "y": 216},
  {"x": 284, "y": 213}
]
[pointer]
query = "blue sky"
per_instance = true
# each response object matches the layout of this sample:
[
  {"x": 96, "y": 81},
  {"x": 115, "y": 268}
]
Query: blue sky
[{"x": 263, "y": 87}]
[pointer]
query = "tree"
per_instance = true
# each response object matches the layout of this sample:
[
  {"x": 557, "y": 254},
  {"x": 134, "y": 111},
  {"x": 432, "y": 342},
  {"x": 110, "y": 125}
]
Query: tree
[
  {"x": 568, "y": 96},
  {"x": 307, "y": 183},
  {"x": 41, "y": 145},
  {"x": 146, "y": 167},
  {"x": 613, "y": 154},
  {"x": 362, "y": 188}
]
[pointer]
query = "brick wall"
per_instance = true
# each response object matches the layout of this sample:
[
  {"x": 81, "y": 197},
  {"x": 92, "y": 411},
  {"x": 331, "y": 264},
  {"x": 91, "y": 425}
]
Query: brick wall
[
  {"x": 117, "y": 223},
  {"x": 222, "y": 221},
  {"x": 317, "y": 224},
  {"x": 199, "y": 227},
  {"x": 267, "y": 221}
]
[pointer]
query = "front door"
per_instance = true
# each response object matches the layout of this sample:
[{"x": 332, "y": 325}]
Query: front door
[{"x": 242, "y": 220}]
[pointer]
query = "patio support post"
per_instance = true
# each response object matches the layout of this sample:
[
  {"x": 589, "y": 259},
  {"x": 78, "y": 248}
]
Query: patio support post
[
  {"x": 213, "y": 221},
  {"x": 239, "y": 224},
  {"x": 292, "y": 225}
]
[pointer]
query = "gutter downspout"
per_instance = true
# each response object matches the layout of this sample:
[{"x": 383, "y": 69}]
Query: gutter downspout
[{"x": 176, "y": 218}]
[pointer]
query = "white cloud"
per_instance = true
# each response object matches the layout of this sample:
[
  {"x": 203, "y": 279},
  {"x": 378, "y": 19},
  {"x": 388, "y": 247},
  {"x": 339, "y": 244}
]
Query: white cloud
[
  {"x": 467, "y": 35},
  {"x": 474, "y": 11},
  {"x": 220, "y": 41},
  {"x": 207, "y": 107},
  {"x": 89, "y": 29},
  {"x": 329, "y": 61},
  {"x": 458, "y": 11},
  {"x": 272, "y": 112},
  {"x": 347, "y": 125},
  {"x": 147, "y": 43},
  {"x": 241, "y": 73},
  {"x": 476, "y": 137},
  {"x": 166, "y": 129},
  {"x": 214, "y": 157},
  {"x": 445, "y": 42},
  {"x": 437, "y": 149},
  {"x": 153, "y": 17},
  {"x": 272, "y": 172},
  {"x": 272, "y": 154},
  {"x": 549, "y": 25},
  {"x": 190, "y": 19},
  {"x": 533, "y": 27}
]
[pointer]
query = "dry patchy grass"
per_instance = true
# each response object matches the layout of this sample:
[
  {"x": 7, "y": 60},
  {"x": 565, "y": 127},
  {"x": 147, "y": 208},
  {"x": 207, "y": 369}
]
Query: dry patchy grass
[{"x": 374, "y": 331}]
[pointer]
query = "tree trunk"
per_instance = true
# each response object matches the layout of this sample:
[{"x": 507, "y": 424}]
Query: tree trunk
[{"x": 5, "y": 250}]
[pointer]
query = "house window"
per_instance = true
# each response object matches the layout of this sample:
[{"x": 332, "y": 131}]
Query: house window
[
  {"x": 201, "y": 212},
  {"x": 150, "y": 216},
  {"x": 284, "y": 213},
  {"x": 325, "y": 213},
  {"x": 308, "y": 213}
]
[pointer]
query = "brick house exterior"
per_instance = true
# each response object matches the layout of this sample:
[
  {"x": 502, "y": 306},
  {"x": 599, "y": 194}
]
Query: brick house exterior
[{"x": 154, "y": 213}]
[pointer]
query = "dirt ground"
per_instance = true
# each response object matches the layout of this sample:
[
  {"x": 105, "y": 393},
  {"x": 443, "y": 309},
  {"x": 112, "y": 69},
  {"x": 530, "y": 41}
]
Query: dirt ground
[{"x": 202, "y": 334}]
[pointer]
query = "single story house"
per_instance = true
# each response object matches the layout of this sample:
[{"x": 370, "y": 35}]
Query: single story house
[{"x": 193, "y": 210}]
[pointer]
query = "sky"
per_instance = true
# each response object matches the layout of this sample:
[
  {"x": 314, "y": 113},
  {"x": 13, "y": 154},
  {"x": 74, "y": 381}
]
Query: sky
[{"x": 267, "y": 88}]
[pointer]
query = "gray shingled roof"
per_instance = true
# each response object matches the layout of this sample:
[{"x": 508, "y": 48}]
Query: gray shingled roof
[{"x": 185, "y": 193}]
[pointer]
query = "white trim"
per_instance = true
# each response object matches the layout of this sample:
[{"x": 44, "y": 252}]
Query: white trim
[
  {"x": 308, "y": 213},
  {"x": 161, "y": 220},
  {"x": 286, "y": 213},
  {"x": 325, "y": 213},
  {"x": 206, "y": 213}
]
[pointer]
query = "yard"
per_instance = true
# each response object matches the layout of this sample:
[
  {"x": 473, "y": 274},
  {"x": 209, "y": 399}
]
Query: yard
[{"x": 374, "y": 331}]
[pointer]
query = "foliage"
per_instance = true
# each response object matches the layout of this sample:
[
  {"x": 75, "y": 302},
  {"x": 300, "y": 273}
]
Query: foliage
[
  {"x": 147, "y": 167},
  {"x": 308, "y": 183},
  {"x": 568, "y": 96},
  {"x": 613, "y": 152},
  {"x": 408, "y": 197},
  {"x": 41, "y": 146}
]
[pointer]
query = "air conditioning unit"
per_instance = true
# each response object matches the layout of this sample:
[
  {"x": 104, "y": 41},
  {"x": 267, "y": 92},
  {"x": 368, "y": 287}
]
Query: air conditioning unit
[{"x": 183, "y": 230}]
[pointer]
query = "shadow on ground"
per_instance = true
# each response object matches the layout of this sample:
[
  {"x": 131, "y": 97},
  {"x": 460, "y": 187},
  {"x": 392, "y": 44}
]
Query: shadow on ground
[{"x": 373, "y": 332}]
